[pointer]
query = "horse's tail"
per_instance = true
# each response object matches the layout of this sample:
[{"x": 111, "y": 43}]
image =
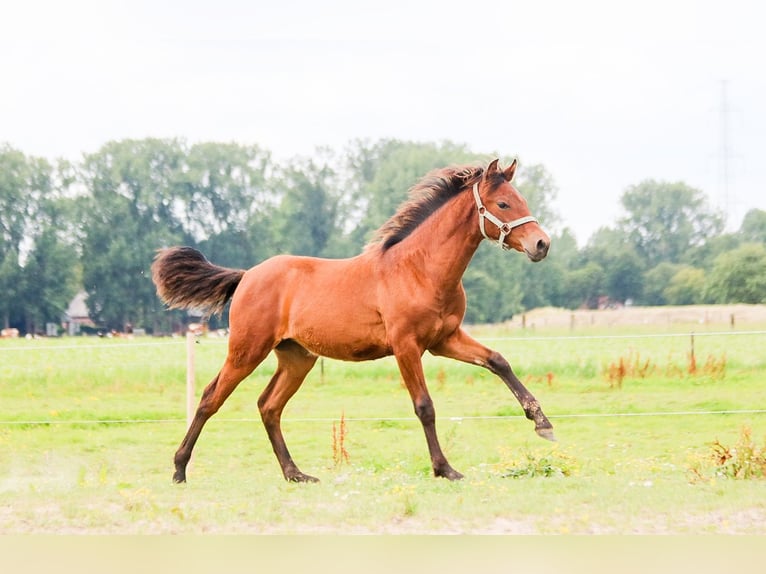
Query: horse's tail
[{"x": 186, "y": 279}]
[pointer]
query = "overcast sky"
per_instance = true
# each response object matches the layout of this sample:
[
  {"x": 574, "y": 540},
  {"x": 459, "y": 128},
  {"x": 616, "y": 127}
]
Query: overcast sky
[{"x": 604, "y": 94}]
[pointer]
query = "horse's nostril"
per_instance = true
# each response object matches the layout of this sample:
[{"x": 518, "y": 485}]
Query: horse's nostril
[{"x": 542, "y": 245}]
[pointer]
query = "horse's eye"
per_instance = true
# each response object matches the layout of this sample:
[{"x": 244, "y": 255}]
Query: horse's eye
[{"x": 502, "y": 205}]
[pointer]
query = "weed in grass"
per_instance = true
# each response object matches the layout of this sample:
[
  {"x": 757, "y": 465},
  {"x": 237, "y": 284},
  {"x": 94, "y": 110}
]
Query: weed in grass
[
  {"x": 138, "y": 501},
  {"x": 84, "y": 480},
  {"x": 547, "y": 378},
  {"x": 692, "y": 362},
  {"x": 744, "y": 460},
  {"x": 339, "y": 432},
  {"x": 631, "y": 366},
  {"x": 410, "y": 506},
  {"x": 554, "y": 464},
  {"x": 450, "y": 436},
  {"x": 715, "y": 367},
  {"x": 406, "y": 496},
  {"x": 634, "y": 367},
  {"x": 178, "y": 512}
]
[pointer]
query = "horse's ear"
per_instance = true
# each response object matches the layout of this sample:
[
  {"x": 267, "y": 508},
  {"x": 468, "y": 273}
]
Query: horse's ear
[
  {"x": 510, "y": 171},
  {"x": 492, "y": 168}
]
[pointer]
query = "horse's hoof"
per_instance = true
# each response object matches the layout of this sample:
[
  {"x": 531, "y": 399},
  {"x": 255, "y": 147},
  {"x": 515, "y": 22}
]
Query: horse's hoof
[
  {"x": 547, "y": 434},
  {"x": 300, "y": 477},
  {"x": 179, "y": 477},
  {"x": 449, "y": 474}
]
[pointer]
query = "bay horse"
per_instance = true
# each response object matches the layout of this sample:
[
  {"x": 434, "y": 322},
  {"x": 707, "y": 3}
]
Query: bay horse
[{"x": 401, "y": 296}]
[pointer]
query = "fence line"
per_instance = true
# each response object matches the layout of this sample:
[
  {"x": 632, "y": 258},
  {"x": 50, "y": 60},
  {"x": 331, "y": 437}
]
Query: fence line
[
  {"x": 101, "y": 346},
  {"x": 181, "y": 341},
  {"x": 636, "y": 336},
  {"x": 389, "y": 419}
]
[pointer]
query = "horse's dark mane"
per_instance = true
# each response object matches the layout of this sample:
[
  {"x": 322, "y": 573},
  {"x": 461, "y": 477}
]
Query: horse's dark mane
[{"x": 434, "y": 190}]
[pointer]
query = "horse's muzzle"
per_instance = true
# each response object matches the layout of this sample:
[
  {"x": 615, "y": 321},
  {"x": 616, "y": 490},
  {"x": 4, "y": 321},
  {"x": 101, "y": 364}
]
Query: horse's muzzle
[{"x": 539, "y": 252}]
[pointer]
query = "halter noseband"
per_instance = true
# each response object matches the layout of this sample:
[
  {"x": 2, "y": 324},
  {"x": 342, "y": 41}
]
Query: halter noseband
[{"x": 505, "y": 228}]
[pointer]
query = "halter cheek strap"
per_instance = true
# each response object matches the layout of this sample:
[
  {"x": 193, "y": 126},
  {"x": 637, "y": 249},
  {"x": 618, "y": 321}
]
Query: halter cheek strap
[{"x": 504, "y": 227}]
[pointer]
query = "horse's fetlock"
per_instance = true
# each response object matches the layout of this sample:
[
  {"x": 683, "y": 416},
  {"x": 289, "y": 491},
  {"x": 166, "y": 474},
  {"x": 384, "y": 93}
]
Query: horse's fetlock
[{"x": 532, "y": 410}]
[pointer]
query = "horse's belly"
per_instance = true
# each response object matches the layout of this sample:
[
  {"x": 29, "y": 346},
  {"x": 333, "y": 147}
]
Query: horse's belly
[
  {"x": 330, "y": 309},
  {"x": 342, "y": 346}
]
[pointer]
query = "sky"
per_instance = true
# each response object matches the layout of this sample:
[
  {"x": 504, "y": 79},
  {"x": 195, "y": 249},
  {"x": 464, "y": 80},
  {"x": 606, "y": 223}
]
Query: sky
[{"x": 603, "y": 94}]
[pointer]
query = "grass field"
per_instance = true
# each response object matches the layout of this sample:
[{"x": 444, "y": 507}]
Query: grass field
[{"x": 88, "y": 428}]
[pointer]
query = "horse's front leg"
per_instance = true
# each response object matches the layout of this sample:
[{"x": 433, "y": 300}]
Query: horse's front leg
[
  {"x": 411, "y": 367},
  {"x": 463, "y": 347}
]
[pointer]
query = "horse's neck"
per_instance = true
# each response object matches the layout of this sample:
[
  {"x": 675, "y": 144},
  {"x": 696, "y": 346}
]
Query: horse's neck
[{"x": 443, "y": 245}]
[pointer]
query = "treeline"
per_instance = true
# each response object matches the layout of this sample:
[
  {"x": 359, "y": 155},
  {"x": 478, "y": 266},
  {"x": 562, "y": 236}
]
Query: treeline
[{"x": 95, "y": 224}]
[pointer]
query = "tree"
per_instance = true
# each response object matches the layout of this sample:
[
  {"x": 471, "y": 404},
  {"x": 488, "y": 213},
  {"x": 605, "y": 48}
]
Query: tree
[
  {"x": 489, "y": 301},
  {"x": 14, "y": 211},
  {"x": 15, "y": 198},
  {"x": 624, "y": 276},
  {"x": 753, "y": 228},
  {"x": 545, "y": 283},
  {"x": 739, "y": 276},
  {"x": 539, "y": 189},
  {"x": 665, "y": 219},
  {"x": 307, "y": 216},
  {"x": 38, "y": 261},
  {"x": 622, "y": 267},
  {"x": 703, "y": 256},
  {"x": 12, "y": 289},
  {"x": 130, "y": 211},
  {"x": 583, "y": 286},
  {"x": 50, "y": 279},
  {"x": 686, "y": 287},
  {"x": 228, "y": 202},
  {"x": 656, "y": 281}
]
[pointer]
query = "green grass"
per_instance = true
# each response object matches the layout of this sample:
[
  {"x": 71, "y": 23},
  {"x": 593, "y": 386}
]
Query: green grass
[{"x": 614, "y": 470}]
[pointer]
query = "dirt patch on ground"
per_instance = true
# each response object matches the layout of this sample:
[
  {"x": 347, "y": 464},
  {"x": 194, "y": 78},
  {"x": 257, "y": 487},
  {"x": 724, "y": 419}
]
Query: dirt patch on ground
[{"x": 737, "y": 316}]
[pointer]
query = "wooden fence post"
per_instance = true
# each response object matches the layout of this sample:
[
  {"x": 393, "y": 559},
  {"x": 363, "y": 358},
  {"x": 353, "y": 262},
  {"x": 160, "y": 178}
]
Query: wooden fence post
[{"x": 190, "y": 399}]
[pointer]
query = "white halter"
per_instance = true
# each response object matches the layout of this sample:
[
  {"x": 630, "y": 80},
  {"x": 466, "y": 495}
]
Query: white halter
[{"x": 505, "y": 228}]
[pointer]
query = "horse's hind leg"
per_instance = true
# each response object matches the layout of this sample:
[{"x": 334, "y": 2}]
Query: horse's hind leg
[
  {"x": 214, "y": 395},
  {"x": 294, "y": 364}
]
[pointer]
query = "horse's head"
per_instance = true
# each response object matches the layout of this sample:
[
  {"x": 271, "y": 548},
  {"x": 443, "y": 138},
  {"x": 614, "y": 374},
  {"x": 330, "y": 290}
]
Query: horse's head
[{"x": 512, "y": 226}]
